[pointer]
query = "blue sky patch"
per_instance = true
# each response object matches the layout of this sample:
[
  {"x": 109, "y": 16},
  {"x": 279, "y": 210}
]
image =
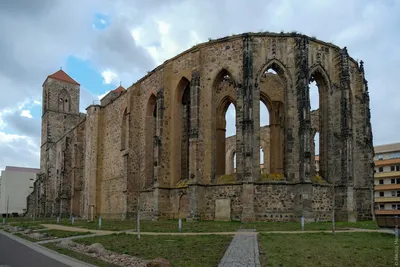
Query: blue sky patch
[
  {"x": 84, "y": 73},
  {"x": 101, "y": 21}
]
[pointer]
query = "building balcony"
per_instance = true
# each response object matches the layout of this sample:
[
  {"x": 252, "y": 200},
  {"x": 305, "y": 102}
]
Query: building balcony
[
  {"x": 382, "y": 187},
  {"x": 387, "y": 212},
  {"x": 386, "y": 174},
  {"x": 386, "y": 162},
  {"x": 387, "y": 199}
]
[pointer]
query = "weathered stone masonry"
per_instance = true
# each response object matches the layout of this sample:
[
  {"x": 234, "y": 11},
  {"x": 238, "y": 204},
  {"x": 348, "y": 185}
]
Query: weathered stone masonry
[{"x": 162, "y": 142}]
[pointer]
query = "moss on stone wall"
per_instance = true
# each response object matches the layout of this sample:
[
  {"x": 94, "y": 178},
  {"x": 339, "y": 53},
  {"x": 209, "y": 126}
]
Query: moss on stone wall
[
  {"x": 271, "y": 177},
  {"x": 227, "y": 179},
  {"x": 319, "y": 179}
]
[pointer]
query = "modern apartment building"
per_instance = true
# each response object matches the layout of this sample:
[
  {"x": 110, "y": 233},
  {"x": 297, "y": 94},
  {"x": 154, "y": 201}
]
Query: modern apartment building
[
  {"x": 16, "y": 183},
  {"x": 387, "y": 179}
]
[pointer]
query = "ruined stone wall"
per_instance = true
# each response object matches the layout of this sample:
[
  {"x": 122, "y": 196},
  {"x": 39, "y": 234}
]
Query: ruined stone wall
[
  {"x": 232, "y": 192},
  {"x": 275, "y": 202},
  {"x": 214, "y": 58},
  {"x": 322, "y": 202},
  {"x": 90, "y": 166},
  {"x": 111, "y": 169},
  {"x": 108, "y": 179}
]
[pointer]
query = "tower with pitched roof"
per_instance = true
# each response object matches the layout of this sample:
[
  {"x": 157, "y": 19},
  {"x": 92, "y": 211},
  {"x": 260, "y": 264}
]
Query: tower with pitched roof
[{"x": 60, "y": 114}]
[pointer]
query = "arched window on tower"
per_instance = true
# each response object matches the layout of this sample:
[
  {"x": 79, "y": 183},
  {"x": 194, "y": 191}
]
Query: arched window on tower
[{"x": 64, "y": 101}]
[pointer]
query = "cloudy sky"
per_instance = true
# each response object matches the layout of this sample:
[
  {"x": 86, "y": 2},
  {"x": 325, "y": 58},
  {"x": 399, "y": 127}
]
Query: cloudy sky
[{"x": 100, "y": 43}]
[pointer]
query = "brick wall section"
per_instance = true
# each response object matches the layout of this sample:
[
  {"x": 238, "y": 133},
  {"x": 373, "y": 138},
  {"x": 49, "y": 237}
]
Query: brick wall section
[{"x": 102, "y": 175}]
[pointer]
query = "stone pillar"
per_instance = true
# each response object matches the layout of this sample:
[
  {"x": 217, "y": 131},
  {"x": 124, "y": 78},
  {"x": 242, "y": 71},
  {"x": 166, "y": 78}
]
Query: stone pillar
[
  {"x": 369, "y": 148},
  {"x": 249, "y": 169},
  {"x": 194, "y": 157},
  {"x": 90, "y": 179},
  {"x": 303, "y": 102},
  {"x": 347, "y": 174},
  {"x": 158, "y": 151}
]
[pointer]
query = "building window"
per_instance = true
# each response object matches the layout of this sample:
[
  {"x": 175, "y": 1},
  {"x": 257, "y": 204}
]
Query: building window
[
  {"x": 392, "y": 168},
  {"x": 381, "y": 181},
  {"x": 393, "y": 181},
  {"x": 381, "y": 206},
  {"x": 397, "y": 168},
  {"x": 380, "y": 169},
  {"x": 394, "y": 155},
  {"x": 380, "y": 157},
  {"x": 381, "y": 194},
  {"x": 393, "y": 193}
]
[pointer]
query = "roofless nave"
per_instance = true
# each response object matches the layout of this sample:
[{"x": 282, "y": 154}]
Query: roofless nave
[{"x": 167, "y": 132}]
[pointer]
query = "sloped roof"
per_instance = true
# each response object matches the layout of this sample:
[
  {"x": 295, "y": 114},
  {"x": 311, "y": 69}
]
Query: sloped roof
[
  {"x": 62, "y": 76},
  {"x": 22, "y": 169},
  {"x": 120, "y": 89},
  {"x": 387, "y": 148}
]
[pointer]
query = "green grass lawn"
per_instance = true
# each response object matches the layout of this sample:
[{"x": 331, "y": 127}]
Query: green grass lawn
[
  {"x": 323, "y": 249},
  {"x": 200, "y": 226},
  {"x": 53, "y": 234},
  {"x": 158, "y": 226},
  {"x": 79, "y": 256},
  {"x": 181, "y": 251},
  {"x": 295, "y": 226},
  {"x": 27, "y": 225},
  {"x": 213, "y": 226},
  {"x": 63, "y": 234}
]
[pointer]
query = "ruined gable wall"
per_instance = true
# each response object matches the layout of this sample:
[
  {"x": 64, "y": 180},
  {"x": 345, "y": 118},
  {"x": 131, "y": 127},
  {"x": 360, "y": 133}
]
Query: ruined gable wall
[{"x": 278, "y": 52}]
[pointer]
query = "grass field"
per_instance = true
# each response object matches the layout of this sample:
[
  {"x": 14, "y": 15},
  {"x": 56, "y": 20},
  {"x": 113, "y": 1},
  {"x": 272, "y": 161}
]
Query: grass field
[
  {"x": 79, "y": 256},
  {"x": 323, "y": 250},
  {"x": 181, "y": 251},
  {"x": 213, "y": 226},
  {"x": 53, "y": 234}
]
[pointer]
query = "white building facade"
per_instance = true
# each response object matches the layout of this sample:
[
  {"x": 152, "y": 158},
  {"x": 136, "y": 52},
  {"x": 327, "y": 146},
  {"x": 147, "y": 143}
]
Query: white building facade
[{"x": 16, "y": 183}]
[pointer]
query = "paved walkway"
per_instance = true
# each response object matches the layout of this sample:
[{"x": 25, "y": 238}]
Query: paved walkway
[
  {"x": 17, "y": 252},
  {"x": 243, "y": 251}
]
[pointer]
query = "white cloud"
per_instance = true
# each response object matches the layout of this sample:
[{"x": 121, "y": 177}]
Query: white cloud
[
  {"x": 26, "y": 113},
  {"x": 108, "y": 76},
  {"x": 18, "y": 150}
]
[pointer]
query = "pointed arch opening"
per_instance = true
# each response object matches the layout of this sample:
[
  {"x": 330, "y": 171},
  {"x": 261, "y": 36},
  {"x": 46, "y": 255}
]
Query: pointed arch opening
[
  {"x": 224, "y": 89},
  {"x": 265, "y": 152},
  {"x": 180, "y": 142},
  {"x": 315, "y": 155},
  {"x": 319, "y": 101},
  {"x": 150, "y": 130},
  {"x": 273, "y": 82}
]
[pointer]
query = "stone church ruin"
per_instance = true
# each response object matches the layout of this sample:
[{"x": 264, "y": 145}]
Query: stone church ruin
[{"x": 163, "y": 139}]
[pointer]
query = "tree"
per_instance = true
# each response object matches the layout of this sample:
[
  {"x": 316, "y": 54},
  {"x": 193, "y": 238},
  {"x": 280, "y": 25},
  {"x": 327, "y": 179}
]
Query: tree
[{"x": 139, "y": 158}]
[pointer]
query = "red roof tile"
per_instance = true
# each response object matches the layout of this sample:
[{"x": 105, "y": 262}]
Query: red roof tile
[
  {"x": 120, "y": 89},
  {"x": 62, "y": 76}
]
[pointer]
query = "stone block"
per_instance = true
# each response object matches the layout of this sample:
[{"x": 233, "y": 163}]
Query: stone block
[{"x": 223, "y": 209}]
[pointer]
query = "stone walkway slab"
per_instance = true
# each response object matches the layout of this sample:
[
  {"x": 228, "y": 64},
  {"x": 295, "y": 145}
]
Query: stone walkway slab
[{"x": 243, "y": 251}]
